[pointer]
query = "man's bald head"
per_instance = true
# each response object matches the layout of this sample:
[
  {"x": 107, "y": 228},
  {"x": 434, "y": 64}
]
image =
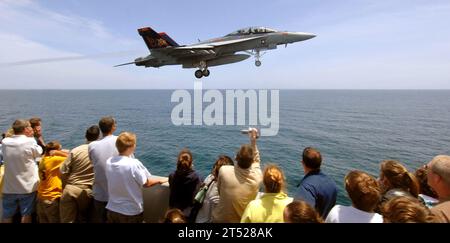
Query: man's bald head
[{"x": 440, "y": 165}]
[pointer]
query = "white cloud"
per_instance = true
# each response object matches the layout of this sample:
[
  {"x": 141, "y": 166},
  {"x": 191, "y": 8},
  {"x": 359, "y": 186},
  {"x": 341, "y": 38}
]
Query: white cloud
[
  {"x": 30, "y": 32},
  {"x": 67, "y": 31}
]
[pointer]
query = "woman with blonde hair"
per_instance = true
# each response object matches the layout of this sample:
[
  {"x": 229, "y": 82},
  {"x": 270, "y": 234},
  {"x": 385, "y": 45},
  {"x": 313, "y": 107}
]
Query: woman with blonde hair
[
  {"x": 396, "y": 180},
  {"x": 270, "y": 206},
  {"x": 183, "y": 183}
]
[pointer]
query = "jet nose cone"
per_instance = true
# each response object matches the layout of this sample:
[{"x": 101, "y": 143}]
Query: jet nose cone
[
  {"x": 310, "y": 35},
  {"x": 292, "y": 37},
  {"x": 304, "y": 35}
]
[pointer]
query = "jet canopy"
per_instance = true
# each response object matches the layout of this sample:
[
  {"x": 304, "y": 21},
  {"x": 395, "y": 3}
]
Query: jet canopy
[{"x": 252, "y": 30}]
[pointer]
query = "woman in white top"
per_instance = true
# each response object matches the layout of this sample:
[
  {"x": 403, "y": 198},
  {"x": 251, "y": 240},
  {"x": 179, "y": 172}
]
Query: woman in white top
[
  {"x": 365, "y": 194},
  {"x": 212, "y": 194}
]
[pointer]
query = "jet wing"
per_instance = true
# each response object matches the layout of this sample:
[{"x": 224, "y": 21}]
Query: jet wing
[
  {"x": 200, "y": 49},
  {"x": 185, "y": 51},
  {"x": 219, "y": 42}
]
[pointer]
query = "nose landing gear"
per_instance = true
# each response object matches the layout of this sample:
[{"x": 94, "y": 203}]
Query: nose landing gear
[
  {"x": 257, "y": 54},
  {"x": 257, "y": 57}
]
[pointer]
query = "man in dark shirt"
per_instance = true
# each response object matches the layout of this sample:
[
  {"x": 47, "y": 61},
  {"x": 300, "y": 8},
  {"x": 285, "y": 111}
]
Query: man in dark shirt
[{"x": 316, "y": 188}]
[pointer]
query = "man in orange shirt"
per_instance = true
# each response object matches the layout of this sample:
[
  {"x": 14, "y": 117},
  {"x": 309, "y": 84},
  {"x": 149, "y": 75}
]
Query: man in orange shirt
[{"x": 50, "y": 187}]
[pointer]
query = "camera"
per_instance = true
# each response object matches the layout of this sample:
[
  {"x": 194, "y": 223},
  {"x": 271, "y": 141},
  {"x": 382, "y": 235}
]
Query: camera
[{"x": 247, "y": 131}]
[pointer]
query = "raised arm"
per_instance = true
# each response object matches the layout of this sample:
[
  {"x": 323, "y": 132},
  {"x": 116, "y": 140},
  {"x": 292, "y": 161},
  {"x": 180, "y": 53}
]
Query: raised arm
[{"x": 253, "y": 135}]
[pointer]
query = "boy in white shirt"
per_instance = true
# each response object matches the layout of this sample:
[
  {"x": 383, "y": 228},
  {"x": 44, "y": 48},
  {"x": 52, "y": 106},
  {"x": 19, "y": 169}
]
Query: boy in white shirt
[{"x": 126, "y": 176}]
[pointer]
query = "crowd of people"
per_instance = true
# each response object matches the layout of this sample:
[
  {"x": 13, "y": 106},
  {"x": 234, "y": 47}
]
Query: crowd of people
[{"x": 101, "y": 181}]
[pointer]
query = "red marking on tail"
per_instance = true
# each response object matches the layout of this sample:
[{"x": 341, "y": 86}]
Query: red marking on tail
[{"x": 155, "y": 40}]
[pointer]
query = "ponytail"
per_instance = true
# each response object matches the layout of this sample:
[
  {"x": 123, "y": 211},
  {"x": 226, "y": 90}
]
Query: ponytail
[
  {"x": 414, "y": 187},
  {"x": 399, "y": 177}
]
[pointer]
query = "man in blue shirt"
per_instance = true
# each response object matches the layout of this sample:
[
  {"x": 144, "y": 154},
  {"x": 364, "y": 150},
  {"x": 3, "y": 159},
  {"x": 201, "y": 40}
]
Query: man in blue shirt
[{"x": 316, "y": 188}]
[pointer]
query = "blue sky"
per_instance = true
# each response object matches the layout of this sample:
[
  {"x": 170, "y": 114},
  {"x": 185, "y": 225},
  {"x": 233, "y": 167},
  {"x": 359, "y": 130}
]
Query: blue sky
[{"x": 360, "y": 44}]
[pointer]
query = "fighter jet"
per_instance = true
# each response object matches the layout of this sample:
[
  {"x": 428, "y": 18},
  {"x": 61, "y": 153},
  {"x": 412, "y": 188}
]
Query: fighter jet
[{"x": 219, "y": 51}]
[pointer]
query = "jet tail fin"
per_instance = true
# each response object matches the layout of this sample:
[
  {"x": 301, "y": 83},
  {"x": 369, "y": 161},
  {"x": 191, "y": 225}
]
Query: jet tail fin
[
  {"x": 169, "y": 40},
  {"x": 155, "y": 40}
]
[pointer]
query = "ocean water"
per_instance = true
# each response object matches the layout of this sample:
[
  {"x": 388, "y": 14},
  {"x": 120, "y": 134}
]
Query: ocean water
[{"x": 354, "y": 130}]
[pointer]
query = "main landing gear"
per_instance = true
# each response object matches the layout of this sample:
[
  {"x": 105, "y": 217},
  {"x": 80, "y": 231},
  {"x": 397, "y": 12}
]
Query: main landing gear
[{"x": 202, "y": 71}]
